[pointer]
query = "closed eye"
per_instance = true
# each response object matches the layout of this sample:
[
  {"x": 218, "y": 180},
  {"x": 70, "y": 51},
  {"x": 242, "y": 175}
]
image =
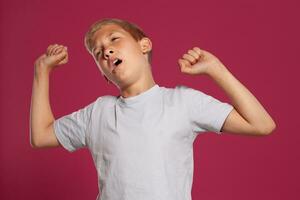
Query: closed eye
[{"x": 97, "y": 54}]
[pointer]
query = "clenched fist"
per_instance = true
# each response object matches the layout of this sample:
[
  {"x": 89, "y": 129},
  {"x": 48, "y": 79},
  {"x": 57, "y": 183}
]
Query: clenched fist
[
  {"x": 54, "y": 56},
  {"x": 198, "y": 61}
]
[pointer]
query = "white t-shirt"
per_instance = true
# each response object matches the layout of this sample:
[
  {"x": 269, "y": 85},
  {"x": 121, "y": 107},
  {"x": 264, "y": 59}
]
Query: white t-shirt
[{"x": 142, "y": 146}]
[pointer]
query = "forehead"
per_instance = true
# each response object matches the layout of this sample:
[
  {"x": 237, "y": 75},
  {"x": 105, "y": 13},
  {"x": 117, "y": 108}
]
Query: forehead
[{"x": 106, "y": 29}]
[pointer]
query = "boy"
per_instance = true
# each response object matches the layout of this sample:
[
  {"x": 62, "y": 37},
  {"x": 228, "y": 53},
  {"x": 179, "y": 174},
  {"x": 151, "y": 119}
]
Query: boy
[{"x": 142, "y": 140}]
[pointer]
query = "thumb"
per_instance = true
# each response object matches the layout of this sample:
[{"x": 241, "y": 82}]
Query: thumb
[{"x": 184, "y": 65}]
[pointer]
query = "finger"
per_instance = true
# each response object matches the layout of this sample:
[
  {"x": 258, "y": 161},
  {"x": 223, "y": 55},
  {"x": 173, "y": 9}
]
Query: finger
[
  {"x": 48, "y": 49},
  {"x": 190, "y": 58},
  {"x": 185, "y": 66},
  {"x": 198, "y": 50},
  {"x": 181, "y": 63},
  {"x": 64, "y": 49},
  {"x": 60, "y": 57},
  {"x": 52, "y": 49},
  {"x": 194, "y": 54},
  {"x": 184, "y": 63},
  {"x": 55, "y": 49},
  {"x": 66, "y": 57},
  {"x": 64, "y": 60},
  {"x": 58, "y": 49}
]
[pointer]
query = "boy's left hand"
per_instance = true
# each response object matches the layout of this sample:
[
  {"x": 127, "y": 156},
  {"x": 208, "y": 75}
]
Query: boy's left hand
[{"x": 198, "y": 61}]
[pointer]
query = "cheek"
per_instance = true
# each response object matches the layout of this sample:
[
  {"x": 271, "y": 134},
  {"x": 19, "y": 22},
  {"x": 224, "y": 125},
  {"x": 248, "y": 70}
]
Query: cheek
[
  {"x": 101, "y": 67},
  {"x": 131, "y": 49}
]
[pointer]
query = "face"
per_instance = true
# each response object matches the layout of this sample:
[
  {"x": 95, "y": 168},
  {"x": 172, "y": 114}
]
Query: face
[{"x": 119, "y": 56}]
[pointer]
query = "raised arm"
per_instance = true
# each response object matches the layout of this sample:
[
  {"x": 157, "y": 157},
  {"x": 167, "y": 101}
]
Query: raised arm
[
  {"x": 248, "y": 116},
  {"x": 41, "y": 116}
]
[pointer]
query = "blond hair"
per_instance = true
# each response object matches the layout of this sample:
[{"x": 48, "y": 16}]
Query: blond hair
[{"x": 135, "y": 31}]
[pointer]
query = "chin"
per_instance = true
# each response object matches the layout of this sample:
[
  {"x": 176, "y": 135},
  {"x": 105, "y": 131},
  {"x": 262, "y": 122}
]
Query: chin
[
  {"x": 127, "y": 75},
  {"x": 127, "y": 81}
]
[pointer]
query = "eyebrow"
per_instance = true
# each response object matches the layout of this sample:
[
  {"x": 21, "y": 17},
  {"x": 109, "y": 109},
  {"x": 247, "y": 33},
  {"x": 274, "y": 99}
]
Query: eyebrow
[{"x": 106, "y": 37}]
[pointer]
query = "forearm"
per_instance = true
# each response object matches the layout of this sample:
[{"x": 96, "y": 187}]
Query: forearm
[
  {"x": 242, "y": 99},
  {"x": 40, "y": 112}
]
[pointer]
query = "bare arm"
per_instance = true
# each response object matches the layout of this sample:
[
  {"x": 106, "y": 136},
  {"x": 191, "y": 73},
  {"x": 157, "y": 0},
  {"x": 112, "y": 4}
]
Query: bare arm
[
  {"x": 248, "y": 116},
  {"x": 41, "y": 116}
]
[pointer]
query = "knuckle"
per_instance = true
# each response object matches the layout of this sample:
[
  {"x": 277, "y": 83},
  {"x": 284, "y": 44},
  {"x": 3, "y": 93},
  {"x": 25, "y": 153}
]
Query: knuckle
[
  {"x": 189, "y": 57},
  {"x": 197, "y": 49}
]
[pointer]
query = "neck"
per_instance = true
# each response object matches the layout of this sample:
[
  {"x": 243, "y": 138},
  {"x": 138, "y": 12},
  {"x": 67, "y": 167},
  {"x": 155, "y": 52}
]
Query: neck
[{"x": 138, "y": 87}]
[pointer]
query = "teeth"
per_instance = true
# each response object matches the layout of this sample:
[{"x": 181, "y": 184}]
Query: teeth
[{"x": 115, "y": 61}]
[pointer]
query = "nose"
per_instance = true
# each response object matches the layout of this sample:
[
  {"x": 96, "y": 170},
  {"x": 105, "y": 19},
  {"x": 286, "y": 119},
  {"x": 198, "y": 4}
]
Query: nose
[{"x": 108, "y": 53}]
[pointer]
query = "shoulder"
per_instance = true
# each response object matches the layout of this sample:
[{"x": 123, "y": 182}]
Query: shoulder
[
  {"x": 173, "y": 90},
  {"x": 104, "y": 100},
  {"x": 178, "y": 94},
  {"x": 181, "y": 90},
  {"x": 100, "y": 103}
]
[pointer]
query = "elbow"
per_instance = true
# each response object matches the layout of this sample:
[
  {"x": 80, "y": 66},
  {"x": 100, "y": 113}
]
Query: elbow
[
  {"x": 33, "y": 142},
  {"x": 34, "y": 146},
  {"x": 268, "y": 129}
]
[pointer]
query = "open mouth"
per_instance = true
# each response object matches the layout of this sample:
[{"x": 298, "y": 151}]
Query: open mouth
[{"x": 116, "y": 63}]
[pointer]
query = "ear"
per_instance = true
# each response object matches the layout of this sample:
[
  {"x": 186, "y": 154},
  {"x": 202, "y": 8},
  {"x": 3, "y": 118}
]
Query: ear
[{"x": 146, "y": 45}]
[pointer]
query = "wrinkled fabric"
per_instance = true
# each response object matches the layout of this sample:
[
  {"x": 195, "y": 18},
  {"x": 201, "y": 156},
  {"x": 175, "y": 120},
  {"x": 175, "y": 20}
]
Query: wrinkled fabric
[{"x": 142, "y": 146}]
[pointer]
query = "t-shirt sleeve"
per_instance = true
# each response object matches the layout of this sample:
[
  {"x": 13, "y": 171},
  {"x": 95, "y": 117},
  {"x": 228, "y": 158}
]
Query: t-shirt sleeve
[
  {"x": 71, "y": 130},
  {"x": 205, "y": 112}
]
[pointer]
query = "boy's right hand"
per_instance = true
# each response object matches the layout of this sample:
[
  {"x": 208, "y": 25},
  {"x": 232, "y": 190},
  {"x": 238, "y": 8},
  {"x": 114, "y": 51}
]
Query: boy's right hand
[{"x": 55, "y": 55}]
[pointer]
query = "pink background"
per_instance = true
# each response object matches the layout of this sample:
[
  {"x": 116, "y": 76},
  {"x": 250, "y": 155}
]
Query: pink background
[{"x": 257, "y": 41}]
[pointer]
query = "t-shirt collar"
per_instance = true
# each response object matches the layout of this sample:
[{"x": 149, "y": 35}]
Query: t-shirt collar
[{"x": 140, "y": 97}]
